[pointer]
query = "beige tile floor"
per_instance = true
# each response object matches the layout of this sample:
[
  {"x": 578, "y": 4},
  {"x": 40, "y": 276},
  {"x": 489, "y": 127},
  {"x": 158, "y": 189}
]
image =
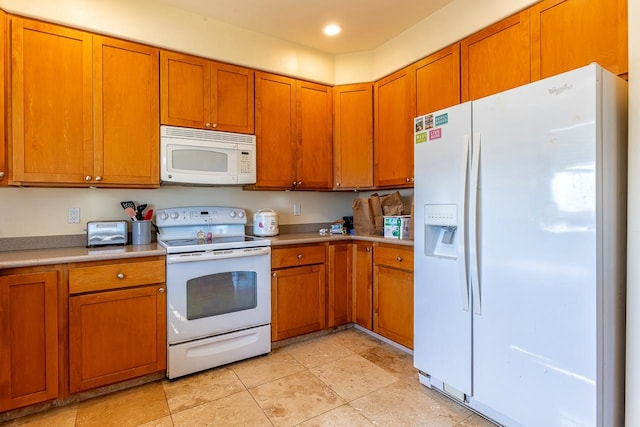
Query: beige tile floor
[{"x": 347, "y": 378}]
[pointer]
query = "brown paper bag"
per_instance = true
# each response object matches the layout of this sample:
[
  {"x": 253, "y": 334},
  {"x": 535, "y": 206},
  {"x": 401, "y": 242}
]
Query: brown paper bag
[
  {"x": 392, "y": 204},
  {"x": 363, "y": 220},
  {"x": 378, "y": 215}
]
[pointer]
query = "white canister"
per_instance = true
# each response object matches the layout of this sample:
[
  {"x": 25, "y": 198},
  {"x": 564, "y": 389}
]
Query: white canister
[{"x": 265, "y": 223}]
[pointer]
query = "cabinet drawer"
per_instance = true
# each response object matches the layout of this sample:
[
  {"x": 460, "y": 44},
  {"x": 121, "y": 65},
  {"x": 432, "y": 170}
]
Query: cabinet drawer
[
  {"x": 116, "y": 275},
  {"x": 395, "y": 257},
  {"x": 297, "y": 255}
]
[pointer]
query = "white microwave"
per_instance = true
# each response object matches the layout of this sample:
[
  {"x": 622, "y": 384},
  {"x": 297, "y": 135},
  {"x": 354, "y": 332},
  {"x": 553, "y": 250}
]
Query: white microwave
[{"x": 206, "y": 157}]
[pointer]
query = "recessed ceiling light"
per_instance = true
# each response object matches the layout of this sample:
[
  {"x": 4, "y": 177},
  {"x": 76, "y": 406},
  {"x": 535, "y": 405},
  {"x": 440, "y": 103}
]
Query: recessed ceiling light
[{"x": 332, "y": 29}]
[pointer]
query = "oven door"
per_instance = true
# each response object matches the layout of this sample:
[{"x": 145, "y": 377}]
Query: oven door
[{"x": 211, "y": 293}]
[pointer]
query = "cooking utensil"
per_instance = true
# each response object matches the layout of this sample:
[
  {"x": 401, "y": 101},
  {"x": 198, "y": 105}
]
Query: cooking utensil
[
  {"x": 128, "y": 204},
  {"x": 131, "y": 213},
  {"x": 139, "y": 211},
  {"x": 148, "y": 215}
]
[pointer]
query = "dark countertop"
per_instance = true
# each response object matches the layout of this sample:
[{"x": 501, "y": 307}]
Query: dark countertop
[
  {"x": 299, "y": 238},
  {"x": 34, "y": 257}
]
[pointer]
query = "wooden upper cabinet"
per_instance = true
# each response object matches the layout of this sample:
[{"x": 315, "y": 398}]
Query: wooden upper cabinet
[
  {"x": 275, "y": 131},
  {"x": 314, "y": 114},
  {"x": 200, "y": 93},
  {"x": 28, "y": 339},
  {"x": 293, "y": 133},
  {"x": 567, "y": 34},
  {"x": 496, "y": 58},
  {"x": 353, "y": 136},
  {"x": 437, "y": 79},
  {"x": 51, "y": 103},
  {"x": 84, "y": 108},
  {"x": 4, "y": 174},
  {"x": 126, "y": 104},
  {"x": 394, "y": 110}
]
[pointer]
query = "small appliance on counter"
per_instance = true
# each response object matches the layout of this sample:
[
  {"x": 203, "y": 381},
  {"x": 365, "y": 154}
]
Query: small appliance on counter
[
  {"x": 265, "y": 223},
  {"x": 106, "y": 233}
]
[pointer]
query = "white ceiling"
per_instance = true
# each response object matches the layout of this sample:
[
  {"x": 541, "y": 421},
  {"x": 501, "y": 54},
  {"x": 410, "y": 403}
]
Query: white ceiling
[{"x": 366, "y": 24}]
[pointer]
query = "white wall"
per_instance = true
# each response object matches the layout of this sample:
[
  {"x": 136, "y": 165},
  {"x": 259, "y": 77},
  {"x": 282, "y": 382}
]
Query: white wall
[
  {"x": 34, "y": 212},
  {"x": 43, "y": 211},
  {"x": 147, "y": 21},
  {"x": 633, "y": 242}
]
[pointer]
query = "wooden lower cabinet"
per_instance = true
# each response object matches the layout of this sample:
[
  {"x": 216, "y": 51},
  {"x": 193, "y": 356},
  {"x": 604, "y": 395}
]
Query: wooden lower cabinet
[
  {"x": 362, "y": 284},
  {"x": 297, "y": 290},
  {"x": 116, "y": 335},
  {"x": 117, "y": 321},
  {"x": 29, "y": 362},
  {"x": 339, "y": 284},
  {"x": 393, "y": 294},
  {"x": 297, "y": 301}
]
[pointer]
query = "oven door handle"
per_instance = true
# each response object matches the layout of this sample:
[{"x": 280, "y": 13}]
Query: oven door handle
[{"x": 218, "y": 254}]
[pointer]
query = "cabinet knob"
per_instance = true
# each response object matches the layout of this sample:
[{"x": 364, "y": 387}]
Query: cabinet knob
[
  {"x": 98, "y": 178},
  {"x": 408, "y": 179},
  {"x": 399, "y": 259},
  {"x": 368, "y": 249},
  {"x": 274, "y": 274},
  {"x": 1, "y": 174},
  {"x": 207, "y": 124},
  {"x": 293, "y": 183},
  {"x": 87, "y": 178},
  {"x": 215, "y": 125},
  {"x": 337, "y": 184},
  {"x": 120, "y": 276},
  {"x": 299, "y": 183},
  {"x": 299, "y": 256},
  {"x": 161, "y": 290}
]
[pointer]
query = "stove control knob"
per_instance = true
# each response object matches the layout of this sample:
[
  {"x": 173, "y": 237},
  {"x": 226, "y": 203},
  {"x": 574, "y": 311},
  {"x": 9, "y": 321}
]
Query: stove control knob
[
  {"x": 174, "y": 215},
  {"x": 232, "y": 214},
  {"x": 164, "y": 216}
]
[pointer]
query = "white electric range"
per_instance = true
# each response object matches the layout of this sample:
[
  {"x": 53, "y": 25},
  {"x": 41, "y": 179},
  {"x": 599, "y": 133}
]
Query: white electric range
[{"x": 218, "y": 288}]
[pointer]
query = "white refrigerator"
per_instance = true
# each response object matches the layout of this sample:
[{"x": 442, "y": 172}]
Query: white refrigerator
[{"x": 520, "y": 213}]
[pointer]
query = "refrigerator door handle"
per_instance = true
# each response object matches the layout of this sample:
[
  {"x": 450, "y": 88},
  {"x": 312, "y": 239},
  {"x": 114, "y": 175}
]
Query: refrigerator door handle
[
  {"x": 473, "y": 222},
  {"x": 462, "y": 235}
]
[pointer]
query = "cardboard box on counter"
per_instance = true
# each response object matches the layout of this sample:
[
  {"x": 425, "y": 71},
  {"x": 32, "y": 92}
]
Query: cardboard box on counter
[{"x": 397, "y": 227}]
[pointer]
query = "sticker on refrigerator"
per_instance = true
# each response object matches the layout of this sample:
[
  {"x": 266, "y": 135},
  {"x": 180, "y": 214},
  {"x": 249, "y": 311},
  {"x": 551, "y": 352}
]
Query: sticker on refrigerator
[
  {"x": 419, "y": 130},
  {"x": 442, "y": 119},
  {"x": 435, "y": 134}
]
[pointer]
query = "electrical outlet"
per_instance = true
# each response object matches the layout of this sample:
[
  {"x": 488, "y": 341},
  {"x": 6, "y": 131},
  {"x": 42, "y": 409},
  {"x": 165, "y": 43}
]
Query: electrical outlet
[
  {"x": 296, "y": 209},
  {"x": 74, "y": 216}
]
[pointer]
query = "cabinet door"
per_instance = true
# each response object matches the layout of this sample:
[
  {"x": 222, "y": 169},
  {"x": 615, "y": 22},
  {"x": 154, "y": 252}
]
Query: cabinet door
[
  {"x": 4, "y": 175},
  {"x": 28, "y": 339},
  {"x": 126, "y": 122},
  {"x": 496, "y": 58},
  {"x": 393, "y": 304},
  {"x": 185, "y": 90},
  {"x": 362, "y": 285},
  {"x": 340, "y": 290},
  {"x": 314, "y": 115},
  {"x": 437, "y": 80},
  {"x": 353, "y": 136},
  {"x": 297, "y": 301},
  {"x": 51, "y": 103},
  {"x": 275, "y": 131},
  {"x": 232, "y": 98},
  {"x": 567, "y": 34},
  {"x": 116, "y": 335},
  {"x": 394, "y": 110}
]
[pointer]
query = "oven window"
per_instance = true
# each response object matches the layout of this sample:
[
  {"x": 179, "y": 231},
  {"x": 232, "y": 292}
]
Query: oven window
[
  {"x": 221, "y": 293},
  {"x": 199, "y": 160}
]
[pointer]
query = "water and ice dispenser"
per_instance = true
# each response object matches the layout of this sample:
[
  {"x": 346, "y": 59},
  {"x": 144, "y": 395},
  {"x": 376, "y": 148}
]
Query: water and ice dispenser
[{"x": 441, "y": 230}]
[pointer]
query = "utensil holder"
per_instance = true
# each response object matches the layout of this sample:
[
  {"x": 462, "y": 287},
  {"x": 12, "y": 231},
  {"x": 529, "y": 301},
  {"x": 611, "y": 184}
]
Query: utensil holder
[{"x": 141, "y": 232}]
